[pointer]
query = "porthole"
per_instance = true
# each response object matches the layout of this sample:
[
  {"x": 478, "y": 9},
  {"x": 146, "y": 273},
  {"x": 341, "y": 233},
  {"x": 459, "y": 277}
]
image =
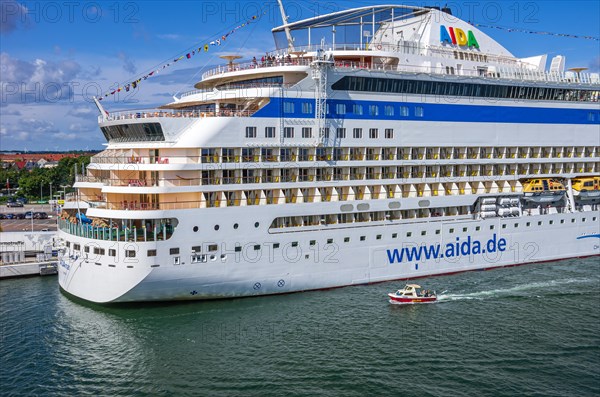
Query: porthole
[
  {"x": 216, "y": 227},
  {"x": 256, "y": 224},
  {"x": 235, "y": 225},
  {"x": 195, "y": 229}
]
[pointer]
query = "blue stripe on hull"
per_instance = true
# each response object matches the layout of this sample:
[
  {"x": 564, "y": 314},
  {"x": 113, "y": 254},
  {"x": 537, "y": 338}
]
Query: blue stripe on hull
[{"x": 443, "y": 112}]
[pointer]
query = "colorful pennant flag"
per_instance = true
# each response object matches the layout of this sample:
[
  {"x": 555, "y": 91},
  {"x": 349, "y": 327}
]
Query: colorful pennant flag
[{"x": 134, "y": 84}]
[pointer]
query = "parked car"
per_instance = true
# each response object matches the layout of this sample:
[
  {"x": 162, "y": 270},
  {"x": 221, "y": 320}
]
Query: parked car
[
  {"x": 40, "y": 215},
  {"x": 2, "y": 216},
  {"x": 20, "y": 215},
  {"x": 29, "y": 215},
  {"x": 14, "y": 204},
  {"x": 22, "y": 200}
]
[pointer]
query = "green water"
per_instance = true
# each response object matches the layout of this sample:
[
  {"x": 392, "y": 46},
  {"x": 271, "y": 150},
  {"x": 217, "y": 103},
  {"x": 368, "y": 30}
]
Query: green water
[{"x": 530, "y": 330}]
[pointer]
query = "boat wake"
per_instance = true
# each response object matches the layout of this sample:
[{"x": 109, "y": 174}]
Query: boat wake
[{"x": 516, "y": 291}]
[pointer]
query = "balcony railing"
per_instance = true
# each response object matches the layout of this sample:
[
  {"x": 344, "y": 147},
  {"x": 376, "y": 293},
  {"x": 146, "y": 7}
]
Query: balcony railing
[
  {"x": 161, "y": 113},
  {"x": 142, "y": 234},
  {"x": 505, "y": 67}
]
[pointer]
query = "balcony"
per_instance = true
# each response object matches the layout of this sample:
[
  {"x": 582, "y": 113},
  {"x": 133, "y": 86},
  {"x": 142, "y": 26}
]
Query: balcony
[
  {"x": 172, "y": 113},
  {"x": 157, "y": 232}
]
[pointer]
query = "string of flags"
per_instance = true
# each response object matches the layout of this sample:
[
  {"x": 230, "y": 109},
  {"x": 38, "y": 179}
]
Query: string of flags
[
  {"x": 202, "y": 48},
  {"x": 574, "y": 36}
]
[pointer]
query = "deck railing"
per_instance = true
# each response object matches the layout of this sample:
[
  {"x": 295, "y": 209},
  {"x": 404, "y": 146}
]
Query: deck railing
[
  {"x": 506, "y": 68},
  {"x": 177, "y": 113},
  {"x": 142, "y": 234}
]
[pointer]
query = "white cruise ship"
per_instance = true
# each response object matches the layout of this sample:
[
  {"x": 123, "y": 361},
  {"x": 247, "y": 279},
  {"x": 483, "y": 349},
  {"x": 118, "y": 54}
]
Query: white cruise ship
[{"x": 377, "y": 143}]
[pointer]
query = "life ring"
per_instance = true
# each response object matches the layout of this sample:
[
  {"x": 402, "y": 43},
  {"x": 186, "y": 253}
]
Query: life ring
[{"x": 379, "y": 46}]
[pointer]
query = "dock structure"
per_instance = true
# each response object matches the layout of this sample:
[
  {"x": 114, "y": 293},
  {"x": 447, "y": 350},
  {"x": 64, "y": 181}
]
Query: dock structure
[{"x": 24, "y": 254}]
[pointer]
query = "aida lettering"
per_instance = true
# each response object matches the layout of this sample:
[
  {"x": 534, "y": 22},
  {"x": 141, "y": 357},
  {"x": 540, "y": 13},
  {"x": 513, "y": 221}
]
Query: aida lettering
[{"x": 458, "y": 36}]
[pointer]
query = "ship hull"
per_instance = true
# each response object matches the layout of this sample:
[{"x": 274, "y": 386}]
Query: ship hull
[{"x": 438, "y": 248}]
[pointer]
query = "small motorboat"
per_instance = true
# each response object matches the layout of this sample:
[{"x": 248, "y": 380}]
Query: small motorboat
[{"x": 412, "y": 293}]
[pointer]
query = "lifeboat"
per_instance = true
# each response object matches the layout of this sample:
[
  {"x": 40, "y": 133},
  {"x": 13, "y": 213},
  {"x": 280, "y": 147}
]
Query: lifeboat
[
  {"x": 543, "y": 190},
  {"x": 586, "y": 188}
]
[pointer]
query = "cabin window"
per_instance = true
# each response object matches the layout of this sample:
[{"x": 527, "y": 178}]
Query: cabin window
[
  {"x": 388, "y": 110},
  {"x": 307, "y": 107},
  {"x": 373, "y": 133},
  {"x": 373, "y": 110},
  {"x": 357, "y": 133},
  {"x": 389, "y": 133},
  {"x": 346, "y": 239},
  {"x": 288, "y": 132},
  {"x": 112, "y": 252},
  {"x": 329, "y": 241},
  {"x": 288, "y": 107},
  {"x": 404, "y": 111},
  {"x": 306, "y": 132},
  {"x": 340, "y": 132},
  {"x": 363, "y": 238},
  {"x": 357, "y": 109},
  {"x": 395, "y": 235},
  {"x": 340, "y": 108},
  {"x": 174, "y": 251},
  {"x": 250, "y": 132},
  {"x": 419, "y": 111},
  {"x": 269, "y": 132},
  {"x": 129, "y": 253}
]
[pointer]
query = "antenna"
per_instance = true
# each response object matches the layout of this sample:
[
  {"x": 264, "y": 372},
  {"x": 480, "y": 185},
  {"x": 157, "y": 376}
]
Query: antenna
[{"x": 288, "y": 34}]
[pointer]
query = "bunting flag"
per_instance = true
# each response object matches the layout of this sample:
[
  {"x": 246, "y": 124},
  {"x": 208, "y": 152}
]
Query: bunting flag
[
  {"x": 573, "y": 36},
  {"x": 188, "y": 55}
]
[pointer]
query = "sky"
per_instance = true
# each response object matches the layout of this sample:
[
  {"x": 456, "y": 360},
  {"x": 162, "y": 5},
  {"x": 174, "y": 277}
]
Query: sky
[{"x": 56, "y": 55}]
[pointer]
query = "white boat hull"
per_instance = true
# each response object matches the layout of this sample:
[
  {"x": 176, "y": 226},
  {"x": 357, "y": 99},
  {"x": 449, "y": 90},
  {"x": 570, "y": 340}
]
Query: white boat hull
[{"x": 305, "y": 267}]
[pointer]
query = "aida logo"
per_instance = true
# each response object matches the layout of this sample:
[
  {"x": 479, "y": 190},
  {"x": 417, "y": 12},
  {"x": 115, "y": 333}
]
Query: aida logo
[{"x": 458, "y": 36}]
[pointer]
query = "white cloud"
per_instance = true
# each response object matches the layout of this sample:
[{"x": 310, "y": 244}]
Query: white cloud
[
  {"x": 38, "y": 81},
  {"x": 169, "y": 36},
  {"x": 13, "y": 14},
  {"x": 128, "y": 64}
]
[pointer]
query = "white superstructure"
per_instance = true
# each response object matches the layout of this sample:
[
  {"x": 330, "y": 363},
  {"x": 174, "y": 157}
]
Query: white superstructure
[{"x": 380, "y": 143}]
